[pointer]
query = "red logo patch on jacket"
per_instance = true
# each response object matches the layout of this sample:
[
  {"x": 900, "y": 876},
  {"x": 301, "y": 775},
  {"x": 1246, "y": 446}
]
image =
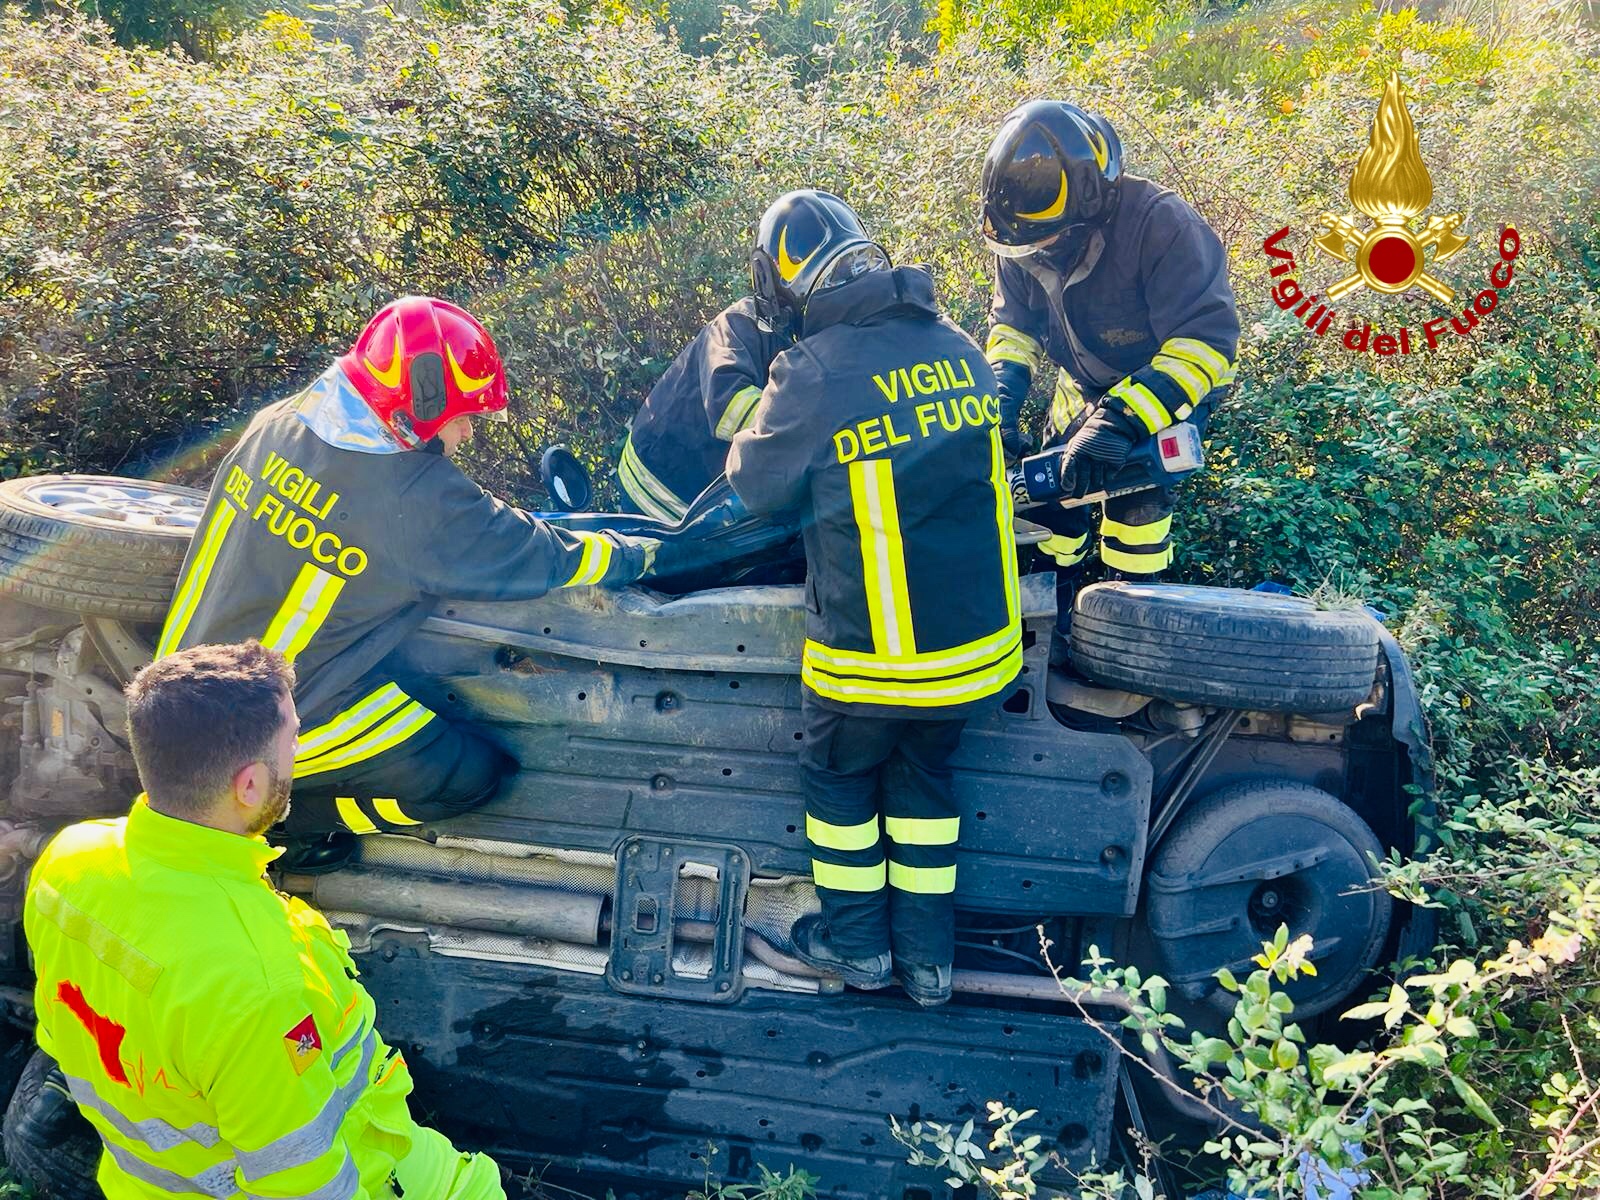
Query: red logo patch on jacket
[
  {"x": 304, "y": 1044},
  {"x": 107, "y": 1033}
]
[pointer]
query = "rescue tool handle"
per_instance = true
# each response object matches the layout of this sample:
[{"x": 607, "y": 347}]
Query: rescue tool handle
[{"x": 1158, "y": 461}]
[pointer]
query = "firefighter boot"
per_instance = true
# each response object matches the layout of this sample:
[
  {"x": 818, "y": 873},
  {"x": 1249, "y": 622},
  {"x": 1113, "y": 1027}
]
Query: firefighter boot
[
  {"x": 811, "y": 944},
  {"x": 1068, "y": 584},
  {"x": 928, "y": 985}
]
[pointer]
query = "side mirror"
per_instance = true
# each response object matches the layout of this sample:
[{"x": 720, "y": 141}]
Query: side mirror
[{"x": 566, "y": 480}]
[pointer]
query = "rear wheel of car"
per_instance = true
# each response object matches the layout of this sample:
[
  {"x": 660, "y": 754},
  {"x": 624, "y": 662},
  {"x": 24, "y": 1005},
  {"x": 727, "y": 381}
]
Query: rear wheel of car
[
  {"x": 1249, "y": 858},
  {"x": 49, "y": 1144},
  {"x": 95, "y": 545},
  {"x": 1225, "y": 647}
]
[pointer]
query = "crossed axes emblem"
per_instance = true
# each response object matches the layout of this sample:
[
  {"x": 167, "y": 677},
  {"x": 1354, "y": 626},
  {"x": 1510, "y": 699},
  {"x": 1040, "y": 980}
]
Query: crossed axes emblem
[{"x": 1440, "y": 235}]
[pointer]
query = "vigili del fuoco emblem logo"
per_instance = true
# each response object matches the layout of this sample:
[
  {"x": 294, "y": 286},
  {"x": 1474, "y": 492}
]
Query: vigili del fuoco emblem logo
[{"x": 1392, "y": 187}]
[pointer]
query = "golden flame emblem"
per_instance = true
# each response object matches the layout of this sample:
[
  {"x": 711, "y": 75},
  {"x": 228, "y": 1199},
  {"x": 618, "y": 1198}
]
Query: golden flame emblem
[{"x": 1391, "y": 185}]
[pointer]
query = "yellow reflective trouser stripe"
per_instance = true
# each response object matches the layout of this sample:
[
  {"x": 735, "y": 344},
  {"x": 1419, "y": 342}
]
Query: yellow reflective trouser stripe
[
  {"x": 923, "y": 831},
  {"x": 303, "y": 611},
  {"x": 596, "y": 560},
  {"x": 389, "y": 809},
  {"x": 1004, "y": 514},
  {"x": 1151, "y": 534},
  {"x": 1009, "y": 344},
  {"x": 655, "y": 498},
  {"x": 194, "y": 583},
  {"x": 1144, "y": 404},
  {"x": 1194, "y": 382},
  {"x": 927, "y": 694},
  {"x": 1207, "y": 358},
  {"x": 847, "y": 879},
  {"x": 140, "y": 971},
  {"x": 350, "y": 813},
  {"x": 1067, "y": 402},
  {"x": 931, "y": 662},
  {"x": 405, "y": 723},
  {"x": 842, "y": 837},
  {"x": 928, "y": 881},
  {"x": 341, "y": 728},
  {"x": 1135, "y": 564},
  {"x": 1067, "y": 551},
  {"x": 883, "y": 557},
  {"x": 737, "y": 415}
]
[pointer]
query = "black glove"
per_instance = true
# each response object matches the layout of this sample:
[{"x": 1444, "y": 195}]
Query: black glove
[
  {"x": 1014, "y": 380},
  {"x": 1096, "y": 452}
]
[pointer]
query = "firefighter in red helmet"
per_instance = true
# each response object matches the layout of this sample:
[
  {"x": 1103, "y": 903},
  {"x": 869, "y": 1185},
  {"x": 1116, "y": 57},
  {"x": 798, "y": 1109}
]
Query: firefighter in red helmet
[{"x": 332, "y": 528}]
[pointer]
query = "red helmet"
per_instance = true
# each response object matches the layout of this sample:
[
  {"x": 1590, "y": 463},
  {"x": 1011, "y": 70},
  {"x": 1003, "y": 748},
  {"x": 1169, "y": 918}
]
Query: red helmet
[{"x": 421, "y": 362}]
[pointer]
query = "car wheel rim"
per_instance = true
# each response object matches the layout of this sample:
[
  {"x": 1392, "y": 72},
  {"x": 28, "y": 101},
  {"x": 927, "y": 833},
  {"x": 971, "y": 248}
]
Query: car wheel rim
[{"x": 141, "y": 505}]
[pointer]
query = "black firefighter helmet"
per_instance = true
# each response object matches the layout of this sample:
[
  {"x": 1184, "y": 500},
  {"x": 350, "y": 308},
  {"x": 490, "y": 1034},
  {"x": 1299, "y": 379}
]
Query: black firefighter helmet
[
  {"x": 1051, "y": 169},
  {"x": 807, "y": 241}
]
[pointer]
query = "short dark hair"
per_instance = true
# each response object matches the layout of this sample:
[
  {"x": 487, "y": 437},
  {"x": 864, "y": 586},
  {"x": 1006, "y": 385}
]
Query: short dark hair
[{"x": 196, "y": 717}]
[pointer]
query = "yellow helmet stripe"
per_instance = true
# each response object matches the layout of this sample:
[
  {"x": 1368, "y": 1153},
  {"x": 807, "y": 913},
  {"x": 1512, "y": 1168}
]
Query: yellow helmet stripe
[
  {"x": 1102, "y": 152},
  {"x": 1057, "y": 207},
  {"x": 391, "y": 377},
  {"x": 465, "y": 382},
  {"x": 787, "y": 267}
]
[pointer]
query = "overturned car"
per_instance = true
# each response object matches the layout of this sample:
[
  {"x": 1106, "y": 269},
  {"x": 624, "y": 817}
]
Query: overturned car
[{"x": 594, "y": 972}]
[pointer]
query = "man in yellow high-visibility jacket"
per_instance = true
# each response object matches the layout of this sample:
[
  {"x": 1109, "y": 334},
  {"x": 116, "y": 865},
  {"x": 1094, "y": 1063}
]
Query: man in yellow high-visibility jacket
[{"x": 210, "y": 1028}]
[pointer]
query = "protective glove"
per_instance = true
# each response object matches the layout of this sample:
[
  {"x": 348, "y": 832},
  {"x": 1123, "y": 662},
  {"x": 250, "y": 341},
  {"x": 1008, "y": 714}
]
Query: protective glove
[
  {"x": 1094, "y": 454},
  {"x": 1014, "y": 379},
  {"x": 638, "y": 556}
]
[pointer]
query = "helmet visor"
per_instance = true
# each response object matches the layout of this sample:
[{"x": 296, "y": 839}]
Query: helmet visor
[
  {"x": 851, "y": 262},
  {"x": 1025, "y": 249}
]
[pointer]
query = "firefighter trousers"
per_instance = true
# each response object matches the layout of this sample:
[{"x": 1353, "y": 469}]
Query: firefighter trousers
[
  {"x": 873, "y": 784},
  {"x": 386, "y": 762}
]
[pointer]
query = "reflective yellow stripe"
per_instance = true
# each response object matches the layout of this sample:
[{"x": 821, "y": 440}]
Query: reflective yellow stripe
[
  {"x": 140, "y": 971},
  {"x": 1194, "y": 382},
  {"x": 842, "y": 837},
  {"x": 1067, "y": 551},
  {"x": 194, "y": 584},
  {"x": 404, "y": 724},
  {"x": 1144, "y": 404},
  {"x": 1135, "y": 564},
  {"x": 1208, "y": 358},
  {"x": 1009, "y": 344},
  {"x": 596, "y": 560},
  {"x": 1151, "y": 534},
  {"x": 1067, "y": 401},
  {"x": 1004, "y": 515},
  {"x": 931, "y": 693},
  {"x": 350, "y": 813},
  {"x": 925, "y": 881},
  {"x": 303, "y": 611},
  {"x": 655, "y": 497},
  {"x": 847, "y": 879},
  {"x": 933, "y": 662},
  {"x": 341, "y": 728},
  {"x": 923, "y": 831},
  {"x": 738, "y": 413},
  {"x": 883, "y": 557},
  {"x": 391, "y": 812}
]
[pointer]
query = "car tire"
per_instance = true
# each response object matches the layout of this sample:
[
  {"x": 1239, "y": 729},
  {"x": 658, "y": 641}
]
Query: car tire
[
  {"x": 95, "y": 545},
  {"x": 1316, "y": 855},
  {"x": 1225, "y": 647},
  {"x": 49, "y": 1144}
]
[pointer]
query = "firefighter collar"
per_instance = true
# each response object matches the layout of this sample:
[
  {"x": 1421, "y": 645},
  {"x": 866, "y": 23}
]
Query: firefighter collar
[
  {"x": 868, "y": 295},
  {"x": 337, "y": 414},
  {"x": 198, "y": 849}
]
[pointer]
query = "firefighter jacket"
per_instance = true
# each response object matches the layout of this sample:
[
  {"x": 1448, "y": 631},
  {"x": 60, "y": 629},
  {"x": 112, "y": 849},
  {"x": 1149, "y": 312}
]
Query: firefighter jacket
[
  {"x": 327, "y": 541},
  {"x": 212, "y": 1029},
  {"x": 881, "y": 427},
  {"x": 678, "y": 442},
  {"x": 1146, "y": 318}
]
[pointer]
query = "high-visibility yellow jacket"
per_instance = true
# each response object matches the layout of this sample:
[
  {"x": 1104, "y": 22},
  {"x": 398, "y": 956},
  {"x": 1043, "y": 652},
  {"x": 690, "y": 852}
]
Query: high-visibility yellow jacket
[{"x": 212, "y": 1029}]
